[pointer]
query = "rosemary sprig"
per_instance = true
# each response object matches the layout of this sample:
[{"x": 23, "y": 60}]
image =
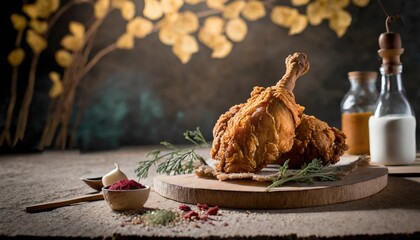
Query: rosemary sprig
[
  {"x": 173, "y": 160},
  {"x": 309, "y": 173}
]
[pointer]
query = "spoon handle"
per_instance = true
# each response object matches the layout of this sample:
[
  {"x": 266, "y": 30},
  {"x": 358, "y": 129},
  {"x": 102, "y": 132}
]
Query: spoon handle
[{"x": 61, "y": 203}]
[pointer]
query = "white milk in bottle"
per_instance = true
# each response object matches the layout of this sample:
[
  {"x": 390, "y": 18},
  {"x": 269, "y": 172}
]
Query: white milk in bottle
[{"x": 393, "y": 139}]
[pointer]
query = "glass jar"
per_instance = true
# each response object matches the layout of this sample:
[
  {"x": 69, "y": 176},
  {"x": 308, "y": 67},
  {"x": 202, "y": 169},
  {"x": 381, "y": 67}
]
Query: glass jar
[{"x": 356, "y": 108}]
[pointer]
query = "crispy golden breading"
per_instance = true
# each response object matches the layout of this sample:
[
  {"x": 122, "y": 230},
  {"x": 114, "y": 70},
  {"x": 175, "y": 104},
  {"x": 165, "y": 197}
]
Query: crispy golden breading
[
  {"x": 315, "y": 139},
  {"x": 253, "y": 134}
]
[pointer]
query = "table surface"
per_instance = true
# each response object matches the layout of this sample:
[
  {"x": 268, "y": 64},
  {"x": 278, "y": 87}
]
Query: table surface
[{"x": 28, "y": 179}]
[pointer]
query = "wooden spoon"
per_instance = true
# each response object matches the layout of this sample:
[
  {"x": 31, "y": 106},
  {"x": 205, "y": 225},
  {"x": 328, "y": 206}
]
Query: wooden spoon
[{"x": 61, "y": 203}]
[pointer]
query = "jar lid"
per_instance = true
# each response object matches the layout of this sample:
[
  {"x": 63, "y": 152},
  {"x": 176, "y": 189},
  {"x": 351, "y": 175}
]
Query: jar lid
[{"x": 363, "y": 75}]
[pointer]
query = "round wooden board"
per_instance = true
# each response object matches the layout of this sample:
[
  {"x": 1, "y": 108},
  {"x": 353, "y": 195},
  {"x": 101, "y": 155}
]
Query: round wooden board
[{"x": 248, "y": 194}]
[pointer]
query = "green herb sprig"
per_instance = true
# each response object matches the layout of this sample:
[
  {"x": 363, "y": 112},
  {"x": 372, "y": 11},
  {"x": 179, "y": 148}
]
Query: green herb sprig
[
  {"x": 172, "y": 160},
  {"x": 309, "y": 173}
]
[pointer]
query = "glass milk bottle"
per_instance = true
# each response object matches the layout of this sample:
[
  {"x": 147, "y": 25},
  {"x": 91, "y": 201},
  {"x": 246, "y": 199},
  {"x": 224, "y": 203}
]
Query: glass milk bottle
[
  {"x": 392, "y": 128},
  {"x": 356, "y": 108}
]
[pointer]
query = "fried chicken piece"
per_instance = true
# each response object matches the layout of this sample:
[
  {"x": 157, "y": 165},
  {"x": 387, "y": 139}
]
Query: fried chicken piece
[
  {"x": 253, "y": 134},
  {"x": 315, "y": 139}
]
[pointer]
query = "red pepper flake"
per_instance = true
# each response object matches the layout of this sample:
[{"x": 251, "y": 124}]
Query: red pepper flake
[
  {"x": 202, "y": 207},
  {"x": 206, "y": 217},
  {"x": 126, "y": 184},
  {"x": 191, "y": 215},
  {"x": 184, "y": 208},
  {"x": 213, "y": 210}
]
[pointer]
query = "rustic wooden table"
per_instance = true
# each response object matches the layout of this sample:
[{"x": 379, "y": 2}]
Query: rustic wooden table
[{"x": 35, "y": 178}]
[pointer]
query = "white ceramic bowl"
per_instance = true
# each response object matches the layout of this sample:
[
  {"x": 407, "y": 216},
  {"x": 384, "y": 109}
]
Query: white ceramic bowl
[{"x": 124, "y": 200}]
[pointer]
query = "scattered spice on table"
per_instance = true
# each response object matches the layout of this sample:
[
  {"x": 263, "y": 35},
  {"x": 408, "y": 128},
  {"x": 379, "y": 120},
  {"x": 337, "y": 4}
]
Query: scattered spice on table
[{"x": 184, "y": 214}]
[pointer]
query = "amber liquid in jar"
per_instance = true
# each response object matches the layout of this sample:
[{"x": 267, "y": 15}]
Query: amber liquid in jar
[
  {"x": 357, "y": 106},
  {"x": 356, "y": 129}
]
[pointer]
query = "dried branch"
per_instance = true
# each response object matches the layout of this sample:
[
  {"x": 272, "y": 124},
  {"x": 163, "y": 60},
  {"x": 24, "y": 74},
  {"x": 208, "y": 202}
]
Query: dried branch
[
  {"x": 105, "y": 51},
  {"x": 5, "y": 135},
  {"x": 64, "y": 9},
  {"x": 27, "y": 99}
]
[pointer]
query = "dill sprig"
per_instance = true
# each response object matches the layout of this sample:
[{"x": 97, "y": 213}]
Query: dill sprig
[
  {"x": 172, "y": 160},
  {"x": 309, "y": 173}
]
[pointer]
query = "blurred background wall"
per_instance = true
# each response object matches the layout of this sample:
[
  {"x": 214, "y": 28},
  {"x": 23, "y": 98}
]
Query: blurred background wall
[{"x": 146, "y": 95}]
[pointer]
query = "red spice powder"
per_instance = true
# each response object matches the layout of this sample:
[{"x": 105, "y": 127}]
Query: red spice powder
[
  {"x": 213, "y": 210},
  {"x": 191, "y": 215},
  {"x": 126, "y": 185},
  {"x": 202, "y": 207},
  {"x": 184, "y": 208}
]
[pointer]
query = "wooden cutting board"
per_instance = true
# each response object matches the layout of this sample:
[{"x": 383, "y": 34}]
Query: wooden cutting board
[{"x": 248, "y": 194}]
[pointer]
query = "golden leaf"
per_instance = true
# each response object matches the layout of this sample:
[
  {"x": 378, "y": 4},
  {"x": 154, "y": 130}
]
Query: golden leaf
[
  {"x": 168, "y": 36},
  {"x": 139, "y": 27},
  {"x": 77, "y": 29},
  {"x": 46, "y": 7},
  {"x": 233, "y": 9},
  {"x": 53, "y": 5},
  {"x": 19, "y": 22},
  {"x": 205, "y": 37},
  {"x": 125, "y": 41},
  {"x": 216, "y": 4},
  {"x": 57, "y": 87},
  {"x": 30, "y": 10},
  {"x": 171, "y": 6},
  {"x": 54, "y": 76},
  {"x": 339, "y": 22},
  {"x": 38, "y": 26},
  {"x": 187, "y": 22},
  {"x": 101, "y": 8},
  {"x": 236, "y": 29},
  {"x": 253, "y": 10},
  {"x": 63, "y": 58},
  {"x": 339, "y": 4},
  {"x": 182, "y": 56},
  {"x": 187, "y": 43},
  {"x": 72, "y": 43},
  {"x": 128, "y": 10},
  {"x": 300, "y": 2},
  {"x": 360, "y": 3},
  {"x": 152, "y": 9},
  {"x": 193, "y": 2},
  {"x": 298, "y": 25},
  {"x": 317, "y": 11},
  {"x": 16, "y": 57},
  {"x": 214, "y": 25},
  {"x": 168, "y": 20},
  {"x": 328, "y": 8},
  {"x": 184, "y": 47},
  {"x": 118, "y": 4},
  {"x": 221, "y": 47},
  {"x": 284, "y": 16},
  {"x": 35, "y": 41}
]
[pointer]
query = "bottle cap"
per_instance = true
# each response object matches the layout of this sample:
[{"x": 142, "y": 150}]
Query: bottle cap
[
  {"x": 363, "y": 75},
  {"x": 390, "y": 52}
]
